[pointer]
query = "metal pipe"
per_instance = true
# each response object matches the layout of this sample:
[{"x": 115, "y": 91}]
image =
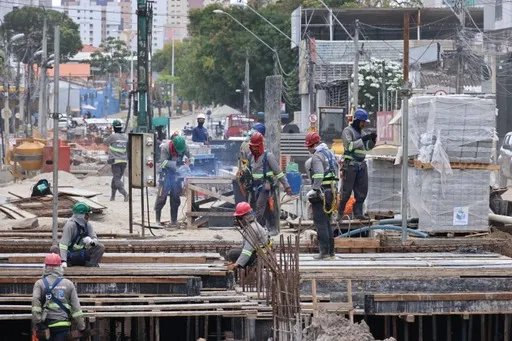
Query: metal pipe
[
  {"x": 55, "y": 217},
  {"x": 497, "y": 218}
]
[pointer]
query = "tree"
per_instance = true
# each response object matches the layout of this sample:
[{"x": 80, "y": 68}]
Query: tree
[
  {"x": 379, "y": 80},
  {"x": 111, "y": 57},
  {"x": 30, "y": 21}
]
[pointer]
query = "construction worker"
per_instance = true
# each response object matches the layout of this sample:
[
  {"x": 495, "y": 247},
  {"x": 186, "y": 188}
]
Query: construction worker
[
  {"x": 79, "y": 244},
  {"x": 255, "y": 236},
  {"x": 55, "y": 303},
  {"x": 244, "y": 176},
  {"x": 174, "y": 155},
  {"x": 265, "y": 174},
  {"x": 117, "y": 156},
  {"x": 200, "y": 133},
  {"x": 322, "y": 169},
  {"x": 355, "y": 171}
]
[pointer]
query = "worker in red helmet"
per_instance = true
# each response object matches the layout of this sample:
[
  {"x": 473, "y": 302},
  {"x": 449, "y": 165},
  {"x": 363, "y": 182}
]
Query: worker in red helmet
[
  {"x": 255, "y": 238},
  {"x": 322, "y": 169},
  {"x": 174, "y": 159},
  {"x": 243, "y": 186},
  {"x": 266, "y": 172},
  {"x": 355, "y": 171},
  {"x": 55, "y": 303}
]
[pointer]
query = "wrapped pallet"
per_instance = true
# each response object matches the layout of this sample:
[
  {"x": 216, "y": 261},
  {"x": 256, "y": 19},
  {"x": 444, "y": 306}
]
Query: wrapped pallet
[
  {"x": 453, "y": 203},
  {"x": 384, "y": 183}
]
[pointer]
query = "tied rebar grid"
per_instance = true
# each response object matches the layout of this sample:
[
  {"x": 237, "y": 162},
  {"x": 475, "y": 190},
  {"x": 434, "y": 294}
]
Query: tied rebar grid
[{"x": 276, "y": 279}]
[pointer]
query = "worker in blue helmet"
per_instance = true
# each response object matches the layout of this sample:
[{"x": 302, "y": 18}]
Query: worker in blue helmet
[{"x": 355, "y": 171}]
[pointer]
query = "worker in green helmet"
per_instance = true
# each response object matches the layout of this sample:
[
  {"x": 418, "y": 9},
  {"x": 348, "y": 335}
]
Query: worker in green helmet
[
  {"x": 79, "y": 244},
  {"x": 174, "y": 158},
  {"x": 118, "y": 158}
]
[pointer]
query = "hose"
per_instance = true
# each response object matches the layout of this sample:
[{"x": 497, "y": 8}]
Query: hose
[
  {"x": 415, "y": 233},
  {"x": 394, "y": 221}
]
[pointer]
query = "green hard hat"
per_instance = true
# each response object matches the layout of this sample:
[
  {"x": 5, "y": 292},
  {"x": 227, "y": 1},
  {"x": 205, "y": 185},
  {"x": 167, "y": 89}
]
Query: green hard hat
[
  {"x": 179, "y": 144},
  {"x": 117, "y": 124},
  {"x": 81, "y": 208}
]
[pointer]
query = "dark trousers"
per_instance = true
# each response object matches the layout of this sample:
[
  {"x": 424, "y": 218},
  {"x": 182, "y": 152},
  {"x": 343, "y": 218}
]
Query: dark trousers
[
  {"x": 92, "y": 256},
  {"x": 322, "y": 223},
  {"x": 355, "y": 178},
  {"x": 117, "y": 175},
  {"x": 172, "y": 187},
  {"x": 59, "y": 333},
  {"x": 234, "y": 253},
  {"x": 266, "y": 217}
]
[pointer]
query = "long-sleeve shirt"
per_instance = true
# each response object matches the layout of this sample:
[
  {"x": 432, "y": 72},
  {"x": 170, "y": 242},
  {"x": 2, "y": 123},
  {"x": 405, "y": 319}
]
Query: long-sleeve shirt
[
  {"x": 324, "y": 168},
  {"x": 70, "y": 232},
  {"x": 199, "y": 134},
  {"x": 267, "y": 167},
  {"x": 261, "y": 239},
  {"x": 355, "y": 147},
  {"x": 117, "y": 147},
  {"x": 50, "y": 311},
  {"x": 166, "y": 155}
]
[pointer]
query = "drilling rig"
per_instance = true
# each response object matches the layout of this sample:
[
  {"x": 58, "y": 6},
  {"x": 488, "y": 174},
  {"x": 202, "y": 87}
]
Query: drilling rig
[{"x": 142, "y": 102}]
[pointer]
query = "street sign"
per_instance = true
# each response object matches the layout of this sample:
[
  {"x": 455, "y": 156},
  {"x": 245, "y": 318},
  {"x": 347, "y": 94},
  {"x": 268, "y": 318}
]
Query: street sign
[{"x": 313, "y": 118}]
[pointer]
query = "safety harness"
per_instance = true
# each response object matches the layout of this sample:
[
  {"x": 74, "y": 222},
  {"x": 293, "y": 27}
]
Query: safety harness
[
  {"x": 351, "y": 153},
  {"x": 330, "y": 180},
  {"x": 50, "y": 297},
  {"x": 78, "y": 256}
]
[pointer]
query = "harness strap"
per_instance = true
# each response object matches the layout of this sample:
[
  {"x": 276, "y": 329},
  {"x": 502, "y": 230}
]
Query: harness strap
[{"x": 49, "y": 296}]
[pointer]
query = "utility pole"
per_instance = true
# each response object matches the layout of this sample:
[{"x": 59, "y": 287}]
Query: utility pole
[
  {"x": 246, "y": 86},
  {"x": 55, "y": 116},
  {"x": 311, "y": 81},
  {"x": 406, "y": 93},
  {"x": 68, "y": 108},
  {"x": 28, "y": 111},
  {"x": 459, "y": 84},
  {"x": 42, "y": 83},
  {"x": 355, "y": 88}
]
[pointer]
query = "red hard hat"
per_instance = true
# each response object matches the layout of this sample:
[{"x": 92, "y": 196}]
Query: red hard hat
[
  {"x": 312, "y": 138},
  {"x": 256, "y": 139},
  {"x": 52, "y": 259},
  {"x": 242, "y": 208}
]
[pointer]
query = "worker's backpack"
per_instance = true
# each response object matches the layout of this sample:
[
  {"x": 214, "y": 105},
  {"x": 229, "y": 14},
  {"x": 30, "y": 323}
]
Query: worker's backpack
[{"x": 41, "y": 188}]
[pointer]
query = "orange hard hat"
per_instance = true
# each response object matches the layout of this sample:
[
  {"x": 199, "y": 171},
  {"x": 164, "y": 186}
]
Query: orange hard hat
[
  {"x": 256, "y": 139},
  {"x": 242, "y": 208},
  {"x": 52, "y": 259},
  {"x": 312, "y": 138}
]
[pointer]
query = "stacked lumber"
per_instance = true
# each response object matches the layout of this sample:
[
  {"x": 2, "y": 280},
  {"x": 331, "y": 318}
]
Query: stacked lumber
[
  {"x": 413, "y": 283},
  {"x": 136, "y": 285}
]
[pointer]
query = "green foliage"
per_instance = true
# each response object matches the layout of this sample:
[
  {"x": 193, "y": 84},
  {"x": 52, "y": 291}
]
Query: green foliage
[
  {"x": 210, "y": 66},
  {"x": 111, "y": 57},
  {"x": 376, "y": 78},
  {"x": 29, "y": 20}
]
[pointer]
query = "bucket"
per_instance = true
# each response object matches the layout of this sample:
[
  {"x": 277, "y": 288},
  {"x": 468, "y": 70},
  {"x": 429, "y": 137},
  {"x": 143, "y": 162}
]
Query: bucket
[{"x": 295, "y": 181}]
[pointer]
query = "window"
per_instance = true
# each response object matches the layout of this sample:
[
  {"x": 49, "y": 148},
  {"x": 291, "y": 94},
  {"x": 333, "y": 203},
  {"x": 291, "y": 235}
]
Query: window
[{"x": 498, "y": 10}]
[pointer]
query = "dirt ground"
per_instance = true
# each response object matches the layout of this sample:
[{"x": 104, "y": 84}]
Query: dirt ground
[
  {"x": 332, "y": 327},
  {"x": 115, "y": 218}
]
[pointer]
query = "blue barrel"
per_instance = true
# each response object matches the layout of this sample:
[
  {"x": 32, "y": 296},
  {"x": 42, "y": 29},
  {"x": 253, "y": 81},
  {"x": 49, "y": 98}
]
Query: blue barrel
[{"x": 295, "y": 181}]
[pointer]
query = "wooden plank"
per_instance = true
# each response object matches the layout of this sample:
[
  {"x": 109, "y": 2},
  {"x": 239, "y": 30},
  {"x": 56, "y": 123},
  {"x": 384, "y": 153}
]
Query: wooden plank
[
  {"x": 219, "y": 196},
  {"x": 348, "y": 243},
  {"x": 94, "y": 205},
  {"x": 459, "y": 165},
  {"x": 154, "y": 258},
  {"x": 209, "y": 214},
  {"x": 78, "y": 192},
  {"x": 177, "y": 279},
  {"x": 455, "y": 296}
]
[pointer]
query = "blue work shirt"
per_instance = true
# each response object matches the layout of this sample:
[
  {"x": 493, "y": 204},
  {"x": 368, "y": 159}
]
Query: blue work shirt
[{"x": 199, "y": 134}]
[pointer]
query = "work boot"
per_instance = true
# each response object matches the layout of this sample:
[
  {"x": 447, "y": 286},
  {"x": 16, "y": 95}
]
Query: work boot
[
  {"x": 126, "y": 198},
  {"x": 320, "y": 256},
  {"x": 113, "y": 197}
]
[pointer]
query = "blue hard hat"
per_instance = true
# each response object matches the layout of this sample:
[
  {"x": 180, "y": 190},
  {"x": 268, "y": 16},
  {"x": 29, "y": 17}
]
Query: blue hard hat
[
  {"x": 361, "y": 115},
  {"x": 260, "y": 128}
]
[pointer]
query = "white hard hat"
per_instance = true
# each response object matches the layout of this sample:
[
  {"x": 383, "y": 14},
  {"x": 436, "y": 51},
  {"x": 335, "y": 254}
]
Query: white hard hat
[{"x": 203, "y": 116}]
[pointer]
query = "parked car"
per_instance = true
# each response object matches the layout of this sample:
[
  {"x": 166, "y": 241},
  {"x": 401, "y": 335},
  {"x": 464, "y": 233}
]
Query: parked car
[{"x": 505, "y": 160}]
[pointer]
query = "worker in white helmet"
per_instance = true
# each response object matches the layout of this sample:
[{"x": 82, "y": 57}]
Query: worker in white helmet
[{"x": 200, "y": 133}]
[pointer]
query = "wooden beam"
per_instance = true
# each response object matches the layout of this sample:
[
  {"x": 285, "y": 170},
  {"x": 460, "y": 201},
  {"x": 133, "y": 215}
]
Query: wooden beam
[{"x": 219, "y": 196}]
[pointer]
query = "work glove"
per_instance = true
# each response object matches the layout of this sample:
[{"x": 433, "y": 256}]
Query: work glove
[
  {"x": 313, "y": 194},
  {"x": 366, "y": 137},
  {"x": 64, "y": 264},
  {"x": 373, "y": 137},
  {"x": 288, "y": 191},
  {"x": 88, "y": 241}
]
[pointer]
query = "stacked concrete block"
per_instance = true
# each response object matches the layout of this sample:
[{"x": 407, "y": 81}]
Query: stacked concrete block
[
  {"x": 444, "y": 131},
  {"x": 384, "y": 186}
]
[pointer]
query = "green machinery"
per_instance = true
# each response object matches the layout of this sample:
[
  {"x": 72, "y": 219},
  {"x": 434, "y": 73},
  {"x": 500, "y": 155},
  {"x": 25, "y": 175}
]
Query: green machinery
[{"x": 142, "y": 106}]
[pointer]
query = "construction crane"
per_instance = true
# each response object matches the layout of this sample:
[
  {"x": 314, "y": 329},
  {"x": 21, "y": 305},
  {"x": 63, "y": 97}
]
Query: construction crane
[{"x": 142, "y": 107}]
